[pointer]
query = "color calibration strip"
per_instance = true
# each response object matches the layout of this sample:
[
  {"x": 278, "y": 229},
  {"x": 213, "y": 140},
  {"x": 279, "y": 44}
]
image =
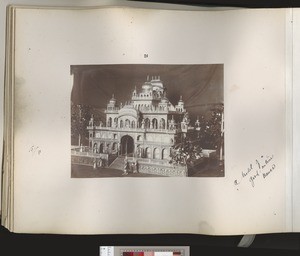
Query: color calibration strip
[
  {"x": 144, "y": 251},
  {"x": 152, "y": 253},
  {"x": 107, "y": 251}
]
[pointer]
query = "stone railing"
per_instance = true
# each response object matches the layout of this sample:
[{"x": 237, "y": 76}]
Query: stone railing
[
  {"x": 78, "y": 153},
  {"x": 159, "y": 167},
  {"x": 163, "y": 169},
  {"x": 112, "y": 110},
  {"x": 88, "y": 158},
  {"x": 134, "y": 129},
  {"x": 154, "y": 111}
]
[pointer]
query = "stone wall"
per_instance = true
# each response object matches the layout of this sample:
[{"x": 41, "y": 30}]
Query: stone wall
[
  {"x": 82, "y": 160},
  {"x": 89, "y": 159},
  {"x": 164, "y": 170}
]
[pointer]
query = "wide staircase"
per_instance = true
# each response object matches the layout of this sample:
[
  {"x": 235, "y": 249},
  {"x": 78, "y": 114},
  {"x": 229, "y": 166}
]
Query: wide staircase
[{"x": 118, "y": 163}]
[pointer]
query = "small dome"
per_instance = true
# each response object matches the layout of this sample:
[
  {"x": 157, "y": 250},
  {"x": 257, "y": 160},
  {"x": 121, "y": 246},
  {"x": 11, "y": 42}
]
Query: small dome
[{"x": 112, "y": 100}]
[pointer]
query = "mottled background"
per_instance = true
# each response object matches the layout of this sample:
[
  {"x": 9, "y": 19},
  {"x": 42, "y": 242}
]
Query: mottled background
[{"x": 201, "y": 86}]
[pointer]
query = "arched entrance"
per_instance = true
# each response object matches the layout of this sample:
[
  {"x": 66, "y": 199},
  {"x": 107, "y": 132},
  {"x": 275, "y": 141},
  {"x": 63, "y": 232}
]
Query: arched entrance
[{"x": 127, "y": 145}]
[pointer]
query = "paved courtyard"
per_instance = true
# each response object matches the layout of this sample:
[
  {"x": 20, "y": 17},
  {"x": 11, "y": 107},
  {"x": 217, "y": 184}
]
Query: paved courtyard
[
  {"x": 82, "y": 171},
  {"x": 206, "y": 169}
]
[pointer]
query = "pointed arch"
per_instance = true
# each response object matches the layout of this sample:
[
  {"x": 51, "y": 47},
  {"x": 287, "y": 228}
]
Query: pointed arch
[
  {"x": 148, "y": 153},
  {"x": 127, "y": 145},
  {"x": 165, "y": 154},
  {"x": 108, "y": 148},
  {"x": 154, "y": 123},
  {"x": 156, "y": 154},
  {"x": 116, "y": 121},
  {"x": 109, "y": 121},
  {"x": 127, "y": 123},
  {"x": 133, "y": 124},
  {"x": 101, "y": 148},
  {"x": 162, "y": 123},
  {"x": 147, "y": 123}
]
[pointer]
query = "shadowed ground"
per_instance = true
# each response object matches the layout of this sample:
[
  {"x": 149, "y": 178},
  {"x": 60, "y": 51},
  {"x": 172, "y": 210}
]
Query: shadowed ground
[
  {"x": 81, "y": 171},
  {"x": 208, "y": 169}
]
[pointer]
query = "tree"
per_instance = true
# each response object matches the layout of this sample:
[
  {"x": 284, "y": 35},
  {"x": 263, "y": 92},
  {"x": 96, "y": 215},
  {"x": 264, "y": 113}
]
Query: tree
[
  {"x": 80, "y": 116},
  {"x": 211, "y": 133},
  {"x": 185, "y": 152}
]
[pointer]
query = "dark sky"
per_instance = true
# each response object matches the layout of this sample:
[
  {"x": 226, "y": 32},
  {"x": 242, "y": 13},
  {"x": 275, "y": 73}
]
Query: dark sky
[{"x": 199, "y": 85}]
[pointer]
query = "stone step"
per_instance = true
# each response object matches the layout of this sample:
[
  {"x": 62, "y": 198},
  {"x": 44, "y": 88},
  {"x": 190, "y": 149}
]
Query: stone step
[{"x": 118, "y": 163}]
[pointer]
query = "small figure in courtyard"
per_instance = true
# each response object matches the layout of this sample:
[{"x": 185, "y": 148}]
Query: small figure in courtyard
[
  {"x": 126, "y": 166},
  {"x": 100, "y": 163},
  {"x": 94, "y": 164},
  {"x": 104, "y": 163},
  {"x": 134, "y": 166}
]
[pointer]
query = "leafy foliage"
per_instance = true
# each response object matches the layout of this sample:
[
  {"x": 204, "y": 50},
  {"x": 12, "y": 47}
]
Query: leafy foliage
[
  {"x": 185, "y": 152},
  {"x": 211, "y": 128},
  {"x": 80, "y": 116},
  {"x": 210, "y": 136}
]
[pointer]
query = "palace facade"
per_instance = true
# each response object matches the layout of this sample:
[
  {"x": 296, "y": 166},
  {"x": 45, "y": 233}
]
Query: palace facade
[{"x": 145, "y": 128}]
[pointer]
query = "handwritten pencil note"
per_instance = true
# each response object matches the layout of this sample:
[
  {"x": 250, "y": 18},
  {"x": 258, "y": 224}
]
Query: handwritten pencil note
[
  {"x": 261, "y": 168},
  {"x": 35, "y": 150}
]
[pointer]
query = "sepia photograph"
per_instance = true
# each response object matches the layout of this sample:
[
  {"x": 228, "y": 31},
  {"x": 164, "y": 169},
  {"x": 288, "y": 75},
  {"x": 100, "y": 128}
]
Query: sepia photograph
[{"x": 141, "y": 120}]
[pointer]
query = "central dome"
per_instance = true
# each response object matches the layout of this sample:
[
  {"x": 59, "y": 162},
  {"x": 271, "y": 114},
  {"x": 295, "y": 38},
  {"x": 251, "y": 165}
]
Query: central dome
[
  {"x": 128, "y": 110},
  {"x": 147, "y": 86},
  {"x": 157, "y": 84}
]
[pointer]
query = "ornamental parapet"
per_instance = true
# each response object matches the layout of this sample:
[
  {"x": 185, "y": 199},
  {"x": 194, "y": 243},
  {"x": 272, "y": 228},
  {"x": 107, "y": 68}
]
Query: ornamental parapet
[
  {"x": 78, "y": 153},
  {"x": 130, "y": 129},
  {"x": 154, "y": 143},
  {"x": 154, "y": 111},
  {"x": 162, "y": 169},
  {"x": 112, "y": 111}
]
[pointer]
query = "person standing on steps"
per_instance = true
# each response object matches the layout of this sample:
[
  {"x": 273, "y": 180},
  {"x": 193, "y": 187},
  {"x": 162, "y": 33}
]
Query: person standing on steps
[{"x": 125, "y": 166}]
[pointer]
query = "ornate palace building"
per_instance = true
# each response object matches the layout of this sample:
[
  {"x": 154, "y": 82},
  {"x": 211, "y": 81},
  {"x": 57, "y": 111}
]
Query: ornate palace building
[{"x": 144, "y": 129}]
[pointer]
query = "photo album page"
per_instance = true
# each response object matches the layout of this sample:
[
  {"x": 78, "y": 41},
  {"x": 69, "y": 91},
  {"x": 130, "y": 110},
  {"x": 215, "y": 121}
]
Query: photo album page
[{"x": 132, "y": 120}]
